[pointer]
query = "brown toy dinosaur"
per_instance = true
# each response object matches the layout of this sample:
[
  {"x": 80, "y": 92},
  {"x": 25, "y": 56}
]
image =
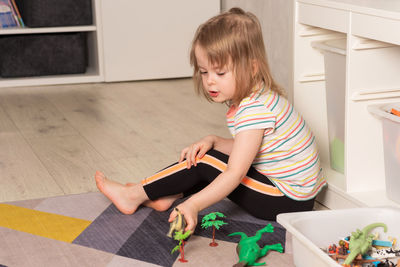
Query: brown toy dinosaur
[{"x": 178, "y": 224}]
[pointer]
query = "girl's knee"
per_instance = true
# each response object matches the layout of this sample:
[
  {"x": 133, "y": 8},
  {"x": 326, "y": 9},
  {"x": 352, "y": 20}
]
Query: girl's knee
[{"x": 213, "y": 156}]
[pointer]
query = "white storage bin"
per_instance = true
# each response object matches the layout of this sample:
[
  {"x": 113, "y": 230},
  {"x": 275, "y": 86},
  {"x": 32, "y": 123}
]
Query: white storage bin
[
  {"x": 314, "y": 230},
  {"x": 391, "y": 147},
  {"x": 335, "y": 82}
]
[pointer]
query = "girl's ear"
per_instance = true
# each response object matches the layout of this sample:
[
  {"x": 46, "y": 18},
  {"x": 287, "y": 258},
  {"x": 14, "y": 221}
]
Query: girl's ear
[{"x": 254, "y": 65}]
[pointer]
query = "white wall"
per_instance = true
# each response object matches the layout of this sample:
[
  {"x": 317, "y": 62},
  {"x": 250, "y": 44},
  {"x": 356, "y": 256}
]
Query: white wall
[{"x": 276, "y": 18}]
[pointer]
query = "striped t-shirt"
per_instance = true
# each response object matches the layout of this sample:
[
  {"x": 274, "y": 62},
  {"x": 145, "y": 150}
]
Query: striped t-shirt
[{"x": 288, "y": 154}]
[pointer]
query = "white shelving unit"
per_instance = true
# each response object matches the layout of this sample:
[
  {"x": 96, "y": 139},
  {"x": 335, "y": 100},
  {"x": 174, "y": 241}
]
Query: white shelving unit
[
  {"x": 94, "y": 71},
  {"x": 153, "y": 37},
  {"x": 367, "y": 36}
]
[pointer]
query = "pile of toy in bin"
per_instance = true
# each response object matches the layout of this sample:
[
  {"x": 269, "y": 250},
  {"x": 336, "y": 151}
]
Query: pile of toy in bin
[{"x": 364, "y": 249}]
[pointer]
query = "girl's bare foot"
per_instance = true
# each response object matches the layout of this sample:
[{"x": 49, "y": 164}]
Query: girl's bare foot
[
  {"x": 161, "y": 204},
  {"x": 126, "y": 198}
]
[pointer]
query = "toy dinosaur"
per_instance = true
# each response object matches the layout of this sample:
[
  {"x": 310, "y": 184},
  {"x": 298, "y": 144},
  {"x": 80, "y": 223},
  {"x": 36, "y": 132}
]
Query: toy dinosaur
[
  {"x": 248, "y": 249},
  {"x": 178, "y": 224},
  {"x": 361, "y": 241}
]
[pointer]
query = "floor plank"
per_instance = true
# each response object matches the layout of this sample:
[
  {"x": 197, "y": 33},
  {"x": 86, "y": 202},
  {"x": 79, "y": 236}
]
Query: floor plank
[
  {"x": 22, "y": 174},
  {"x": 35, "y": 116},
  {"x": 70, "y": 160},
  {"x": 6, "y": 125}
]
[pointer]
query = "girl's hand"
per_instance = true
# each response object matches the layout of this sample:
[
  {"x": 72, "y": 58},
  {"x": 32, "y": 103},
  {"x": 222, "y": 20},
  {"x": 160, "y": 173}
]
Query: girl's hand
[
  {"x": 196, "y": 150},
  {"x": 189, "y": 212}
]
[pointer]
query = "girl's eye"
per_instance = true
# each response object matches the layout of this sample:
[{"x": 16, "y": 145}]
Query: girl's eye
[
  {"x": 203, "y": 72},
  {"x": 221, "y": 73}
]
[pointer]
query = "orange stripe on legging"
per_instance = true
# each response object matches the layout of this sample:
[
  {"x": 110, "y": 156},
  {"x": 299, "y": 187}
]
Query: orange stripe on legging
[
  {"x": 221, "y": 166},
  {"x": 260, "y": 187},
  {"x": 216, "y": 163}
]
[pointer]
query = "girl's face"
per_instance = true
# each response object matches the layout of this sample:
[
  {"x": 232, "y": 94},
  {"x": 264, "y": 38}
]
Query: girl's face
[{"x": 219, "y": 82}]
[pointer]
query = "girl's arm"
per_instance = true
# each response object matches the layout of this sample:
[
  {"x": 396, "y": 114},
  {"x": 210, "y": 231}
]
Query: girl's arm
[
  {"x": 244, "y": 149},
  {"x": 223, "y": 145}
]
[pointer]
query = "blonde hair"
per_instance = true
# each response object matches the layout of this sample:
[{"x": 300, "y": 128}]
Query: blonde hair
[{"x": 234, "y": 36}]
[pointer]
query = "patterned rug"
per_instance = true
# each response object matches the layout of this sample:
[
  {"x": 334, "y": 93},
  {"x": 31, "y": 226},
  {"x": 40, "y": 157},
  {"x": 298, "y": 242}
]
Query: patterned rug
[{"x": 86, "y": 230}]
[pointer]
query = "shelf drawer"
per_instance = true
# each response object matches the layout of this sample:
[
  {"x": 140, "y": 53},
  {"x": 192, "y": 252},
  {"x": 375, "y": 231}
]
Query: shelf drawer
[
  {"x": 55, "y": 13},
  {"x": 43, "y": 54},
  {"x": 377, "y": 28},
  {"x": 323, "y": 17}
]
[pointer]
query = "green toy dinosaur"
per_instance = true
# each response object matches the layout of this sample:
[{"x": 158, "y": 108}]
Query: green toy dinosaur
[
  {"x": 248, "y": 249},
  {"x": 361, "y": 241}
]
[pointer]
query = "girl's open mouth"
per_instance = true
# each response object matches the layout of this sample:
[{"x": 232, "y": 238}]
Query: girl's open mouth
[{"x": 213, "y": 93}]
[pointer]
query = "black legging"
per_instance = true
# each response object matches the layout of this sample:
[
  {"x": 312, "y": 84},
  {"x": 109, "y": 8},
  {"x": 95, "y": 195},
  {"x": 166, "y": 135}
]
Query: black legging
[{"x": 177, "y": 179}]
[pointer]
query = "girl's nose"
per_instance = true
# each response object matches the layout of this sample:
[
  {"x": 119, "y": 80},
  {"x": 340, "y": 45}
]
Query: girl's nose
[{"x": 210, "y": 79}]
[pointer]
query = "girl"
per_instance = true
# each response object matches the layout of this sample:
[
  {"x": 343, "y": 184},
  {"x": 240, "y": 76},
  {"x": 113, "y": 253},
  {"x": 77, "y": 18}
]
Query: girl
[{"x": 271, "y": 164}]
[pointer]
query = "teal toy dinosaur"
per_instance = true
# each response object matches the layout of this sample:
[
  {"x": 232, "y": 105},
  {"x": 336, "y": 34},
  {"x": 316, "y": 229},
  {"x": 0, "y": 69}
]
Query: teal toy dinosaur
[
  {"x": 248, "y": 249},
  {"x": 361, "y": 241}
]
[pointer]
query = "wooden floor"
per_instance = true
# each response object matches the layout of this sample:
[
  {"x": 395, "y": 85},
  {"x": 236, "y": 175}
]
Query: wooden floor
[{"x": 54, "y": 138}]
